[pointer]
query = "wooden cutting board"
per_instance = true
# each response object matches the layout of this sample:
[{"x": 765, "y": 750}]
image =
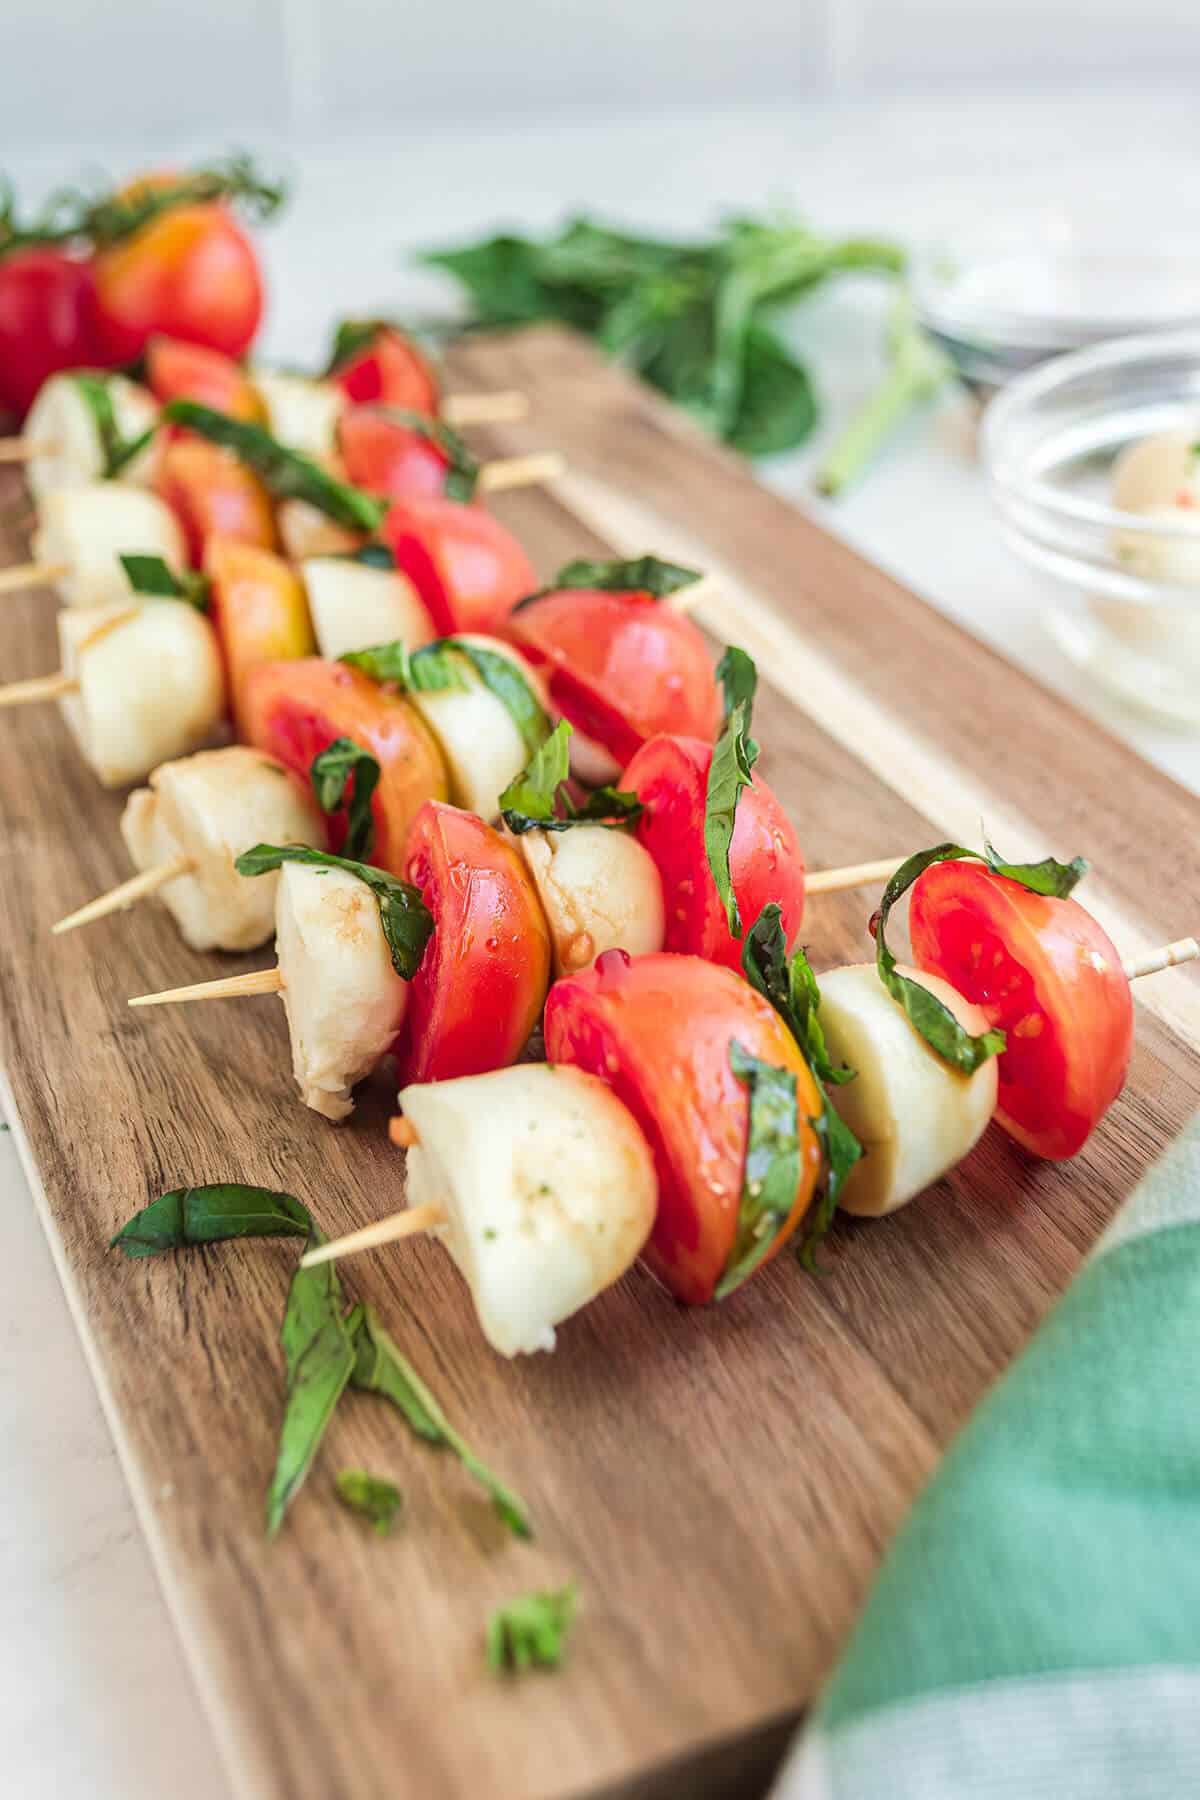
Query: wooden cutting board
[{"x": 723, "y": 1483}]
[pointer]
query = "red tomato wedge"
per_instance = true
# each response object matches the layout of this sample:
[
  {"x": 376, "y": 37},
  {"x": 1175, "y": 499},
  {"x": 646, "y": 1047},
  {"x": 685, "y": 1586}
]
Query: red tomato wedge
[
  {"x": 386, "y": 457},
  {"x": 1047, "y": 975},
  {"x": 191, "y": 272},
  {"x": 390, "y": 371},
  {"x": 260, "y": 613},
  {"x": 294, "y": 710},
  {"x": 476, "y": 997},
  {"x": 669, "y": 775},
  {"x": 466, "y": 567},
  {"x": 47, "y": 322},
  {"x": 176, "y": 370},
  {"x": 620, "y": 667},
  {"x": 212, "y": 493},
  {"x": 657, "y": 1029}
]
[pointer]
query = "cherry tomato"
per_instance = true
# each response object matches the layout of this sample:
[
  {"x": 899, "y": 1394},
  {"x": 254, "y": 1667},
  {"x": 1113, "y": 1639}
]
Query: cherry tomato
[
  {"x": 669, "y": 775},
  {"x": 176, "y": 370},
  {"x": 466, "y": 567},
  {"x": 476, "y": 997},
  {"x": 388, "y": 458},
  {"x": 210, "y": 491},
  {"x": 294, "y": 710},
  {"x": 47, "y": 322},
  {"x": 259, "y": 611},
  {"x": 620, "y": 667},
  {"x": 1047, "y": 975},
  {"x": 390, "y": 371},
  {"x": 191, "y": 272},
  {"x": 657, "y": 1029}
]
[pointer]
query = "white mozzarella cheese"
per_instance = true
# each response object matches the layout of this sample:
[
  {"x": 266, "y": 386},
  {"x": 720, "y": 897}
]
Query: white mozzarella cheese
[
  {"x": 89, "y": 528},
  {"x": 480, "y": 743},
  {"x": 599, "y": 889},
  {"x": 354, "y": 606},
  {"x": 301, "y": 413},
  {"x": 61, "y": 420}
]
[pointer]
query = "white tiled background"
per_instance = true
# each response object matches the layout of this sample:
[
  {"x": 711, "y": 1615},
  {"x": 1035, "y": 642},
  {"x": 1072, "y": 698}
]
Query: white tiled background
[{"x": 83, "y": 71}]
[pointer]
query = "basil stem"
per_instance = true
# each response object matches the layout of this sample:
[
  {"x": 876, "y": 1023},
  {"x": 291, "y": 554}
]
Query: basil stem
[
  {"x": 285, "y": 473},
  {"x": 404, "y": 917},
  {"x": 346, "y": 775}
]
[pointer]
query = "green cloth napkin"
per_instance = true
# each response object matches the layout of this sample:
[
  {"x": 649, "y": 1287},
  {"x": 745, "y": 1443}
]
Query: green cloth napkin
[{"x": 1034, "y": 1633}]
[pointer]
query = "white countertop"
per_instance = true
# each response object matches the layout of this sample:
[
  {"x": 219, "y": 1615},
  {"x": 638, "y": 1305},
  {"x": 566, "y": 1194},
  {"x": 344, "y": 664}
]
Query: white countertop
[{"x": 95, "y": 1699}]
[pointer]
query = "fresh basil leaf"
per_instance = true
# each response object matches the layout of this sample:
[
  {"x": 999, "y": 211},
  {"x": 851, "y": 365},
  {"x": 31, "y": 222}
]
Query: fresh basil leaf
[
  {"x": 462, "y": 469},
  {"x": 371, "y": 556},
  {"x": 771, "y": 1172},
  {"x": 377, "y": 1500},
  {"x": 840, "y": 1150},
  {"x": 1049, "y": 877},
  {"x": 381, "y": 1368},
  {"x": 531, "y": 1631},
  {"x": 391, "y": 662},
  {"x": 346, "y": 775},
  {"x": 319, "y": 1353},
  {"x": 350, "y": 338},
  {"x": 641, "y": 575},
  {"x": 776, "y": 408},
  {"x": 285, "y": 473},
  {"x": 734, "y": 756},
  {"x": 791, "y": 986},
  {"x": 438, "y": 666},
  {"x": 406, "y": 920},
  {"x": 926, "y": 1014},
  {"x": 211, "y": 1215},
  {"x": 116, "y": 451},
  {"x": 533, "y": 800},
  {"x": 154, "y": 579}
]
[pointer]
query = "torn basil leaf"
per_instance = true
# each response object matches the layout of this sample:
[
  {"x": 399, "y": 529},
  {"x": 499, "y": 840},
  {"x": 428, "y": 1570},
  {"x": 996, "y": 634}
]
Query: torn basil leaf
[
  {"x": 406, "y": 920},
  {"x": 350, "y": 338},
  {"x": 531, "y": 1631},
  {"x": 154, "y": 579},
  {"x": 640, "y": 575},
  {"x": 319, "y": 1353},
  {"x": 533, "y": 800},
  {"x": 438, "y": 666},
  {"x": 771, "y": 1173},
  {"x": 378, "y": 1501},
  {"x": 116, "y": 451},
  {"x": 462, "y": 469},
  {"x": 372, "y": 556},
  {"x": 211, "y": 1215},
  {"x": 1054, "y": 879},
  {"x": 287, "y": 474},
  {"x": 734, "y": 756},
  {"x": 344, "y": 775},
  {"x": 382, "y": 1368}
]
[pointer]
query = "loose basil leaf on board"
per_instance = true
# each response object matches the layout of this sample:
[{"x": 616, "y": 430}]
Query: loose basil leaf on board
[
  {"x": 379, "y": 1501},
  {"x": 533, "y": 800},
  {"x": 531, "y": 1631},
  {"x": 406, "y": 920},
  {"x": 287, "y": 474},
  {"x": 116, "y": 451},
  {"x": 436, "y": 667},
  {"x": 319, "y": 1353},
  {"x": 382, "y": 1368},
  {"x": 641, "y": 575},
  {"x": 772, "y": 1168},
  {"x": 211, "y": 1215},
  {"x": 462, "y": 469},
  {"x": 734, "y": 756},
  {"x": 1054, "y": 879},
  {"x": 344, "y": 775},
  {"x": 154, "y": 579}
]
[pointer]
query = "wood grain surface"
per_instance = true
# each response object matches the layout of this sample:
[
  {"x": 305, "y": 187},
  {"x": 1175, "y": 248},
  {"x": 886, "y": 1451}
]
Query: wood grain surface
[{"x": 722, "y": 1483}]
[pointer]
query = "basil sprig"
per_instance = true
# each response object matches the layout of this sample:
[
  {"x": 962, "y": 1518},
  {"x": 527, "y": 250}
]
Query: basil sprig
[
  {"x": 108, "y": 218},
  {"x": 346, "y": 775},
  {"x": 326, "y": 1348},
  {"x": 117, "y": 451},
  {"x": 927, "y": 1015},
  {"x": 287, "y": 474},
  {"x": 462, "y": 469},
  {"x": 379, "y": 1501},
  {"x": 435, "y": 667},
  {"x": 789, "y": 983},
  {"x": 531, "y": 1631},
  {"x": 155, "y": 579},
  {"x": 535, "y": 799},
  {"x": 406, "y": 921},
  {"x": 639, "y": 575},
  {"x": 772, "y": 1167},
  {"x": 734, "y": 756}
]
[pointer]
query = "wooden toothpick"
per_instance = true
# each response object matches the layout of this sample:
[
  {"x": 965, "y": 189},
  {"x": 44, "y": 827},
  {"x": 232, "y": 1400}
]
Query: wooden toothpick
[
  {"x": 138, "y": 887},
  {"x": 226, "y": 987}
]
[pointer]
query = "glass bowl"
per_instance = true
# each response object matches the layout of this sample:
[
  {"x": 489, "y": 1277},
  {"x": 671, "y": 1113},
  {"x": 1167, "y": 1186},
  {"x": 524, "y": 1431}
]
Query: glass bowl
[{"x": 1123, "y": 588}]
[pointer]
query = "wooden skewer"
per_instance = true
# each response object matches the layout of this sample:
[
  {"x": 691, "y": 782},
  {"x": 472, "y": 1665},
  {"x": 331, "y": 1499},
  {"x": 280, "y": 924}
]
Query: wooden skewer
[
  {"x": 1167, "y": 957},
  {"x": 23, "y": 449},
  {"x": 42, "y": 687},
  {"x": 226, "y": 987},
  {"x": 138, "y": 887},
  {"x": 504, "y": 407},
  {"x": 31, "y": 574},
  {"x": 409, "y": 1223},
  {"x": 835, "y": 881},
  {"x": 521, "y": 471}
]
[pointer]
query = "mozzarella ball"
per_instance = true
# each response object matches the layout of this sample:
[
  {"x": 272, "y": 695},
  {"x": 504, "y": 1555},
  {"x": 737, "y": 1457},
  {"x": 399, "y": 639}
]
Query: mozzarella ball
[
  {"x": 301, "y": 413},
  {"x": 344, "y": 1000},
  {"x": 591, "y": 763},
  {"x": 209, "y": 808},
  {"x": 548, "y": 1188},
  {"x": 90, "y": 528},
  {"x": 61, "y": 419},
  {"x": 1163, "y": 470},
  {"x": 480, "y": 744},
  {"x": 1173, "y": 558},
  {"x": 151, "y": 685},
  {"x": 600, "y": 890},
  {"x": 914, "y": 1115},
  {"x": 304, "y": 531},
  {"x": 354, "y": 606}
]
